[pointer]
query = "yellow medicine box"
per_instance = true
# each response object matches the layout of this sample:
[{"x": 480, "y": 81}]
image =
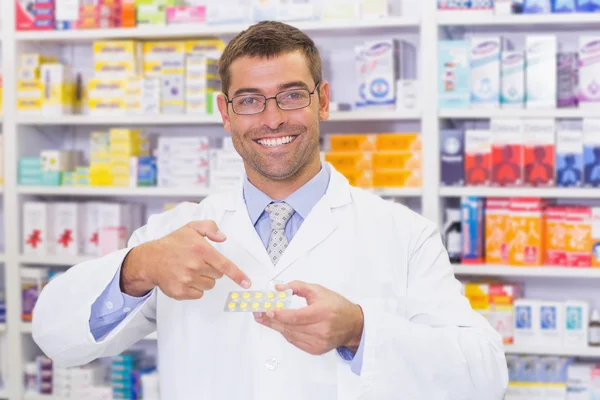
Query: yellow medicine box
[
  {"x": 195, "y": 47},
  {"x": 387, "y": 178},
  {"x": 398, "y": 142},
  {"x": 35, "y": 60},
  {"x": 396, "y": 160},
  {"x": 117, "y": 50},
  {"x": 350, "y": 160},
  {"x": 116, "y": 69},
  {"x": 358, "y": 178},
  {"x": 352, "y": 142}
]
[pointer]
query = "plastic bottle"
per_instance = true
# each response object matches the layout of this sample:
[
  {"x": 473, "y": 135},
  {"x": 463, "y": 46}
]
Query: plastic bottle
[
  {"x": 594, "y": 329},
  {"x": 453, "y": 236}
]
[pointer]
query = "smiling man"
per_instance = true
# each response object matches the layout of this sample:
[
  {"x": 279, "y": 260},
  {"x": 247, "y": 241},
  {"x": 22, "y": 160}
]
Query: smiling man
[{"x": 377, "y": 313}]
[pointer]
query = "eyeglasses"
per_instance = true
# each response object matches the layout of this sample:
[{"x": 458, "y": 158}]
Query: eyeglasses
[{"x": 248, "y": 104}]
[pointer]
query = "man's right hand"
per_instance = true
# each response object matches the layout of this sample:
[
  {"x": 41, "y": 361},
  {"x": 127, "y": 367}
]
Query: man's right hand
[{"x": 182, "y": 264}]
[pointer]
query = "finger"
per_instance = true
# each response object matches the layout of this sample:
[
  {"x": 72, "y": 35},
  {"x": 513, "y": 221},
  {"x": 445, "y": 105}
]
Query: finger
[
  {"x": 188, "y": 293},
  {"x": 201, "y": 282},
  {"x": 302, "y": 289},
  {"x": 218, "y": 261},
  {"x": 302, "y": 316},
  {"x": 208, "y": 229}
]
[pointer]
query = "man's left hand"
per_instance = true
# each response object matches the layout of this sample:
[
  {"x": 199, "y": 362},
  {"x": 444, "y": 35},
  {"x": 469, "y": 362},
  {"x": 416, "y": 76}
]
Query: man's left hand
[{"x": 327, "y": 322}]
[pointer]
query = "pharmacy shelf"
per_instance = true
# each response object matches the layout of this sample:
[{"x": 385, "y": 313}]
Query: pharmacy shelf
[
  {"x": 585, "y": 352},
  {"x": 561, "y": 193},
  {"x": 64, "y": 260},
  {"x": 398, "y": 192},
  {"x": 562, "y": 113},
  {"x": 196, "y": 193},
  {"x": 203, "y": 30},
  {"x": 534, "y": 272},
  {"x": 183, "y": 120},
  {"x": 37, "y": 396},
  {"x": 575, "y": 20},
  {"x": 2, "y": 330}
]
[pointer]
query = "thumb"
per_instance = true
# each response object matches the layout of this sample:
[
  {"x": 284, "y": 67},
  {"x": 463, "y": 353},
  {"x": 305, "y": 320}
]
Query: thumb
[
  {"x": 302, "y": 289},
  {"x": 208, "y": 229}
]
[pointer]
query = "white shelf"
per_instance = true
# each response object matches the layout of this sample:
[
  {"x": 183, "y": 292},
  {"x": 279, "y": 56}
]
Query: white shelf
[
  {"x": 537, "y": 272},
  {"x": 398, "y": 192},
  {"x": 114, "y": 191},
  {"x": 586, "y": 352},
  {"x": 50, "y": 260},
  {"x": 37, "y": 396},
  {"x": 171, "y": 120},
  {"x": 576, "y": 20},
  {"x": 202, "y": 30},
  {"x": 563, "y": 193},
  {"x": 562, "y": 113}
]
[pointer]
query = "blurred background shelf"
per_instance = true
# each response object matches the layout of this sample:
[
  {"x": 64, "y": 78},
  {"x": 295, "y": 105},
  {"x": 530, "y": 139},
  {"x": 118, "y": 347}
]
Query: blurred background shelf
[
  {"x": 571, "y": 193},
  {"x": 538, "y": 272}
]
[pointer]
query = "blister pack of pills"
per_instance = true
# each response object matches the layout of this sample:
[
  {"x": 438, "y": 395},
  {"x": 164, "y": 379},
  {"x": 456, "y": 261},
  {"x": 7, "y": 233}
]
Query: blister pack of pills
[{"x": 257, "y": 300}]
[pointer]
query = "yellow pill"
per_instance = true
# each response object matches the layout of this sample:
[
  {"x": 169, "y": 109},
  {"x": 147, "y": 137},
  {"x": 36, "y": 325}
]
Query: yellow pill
[
  {"x": 231, "y": 305},
  {"x": 267, "y": 305},
  {"x": 282, "y": 295},
  {"x": 246, "y": 296},
  {"x": 271, "y": 295},
  {"x": 244, "y": 305},
  {"x": 258, "y": 295},
  {"x": 279, "y": 304},
  {"x": 255, "y": 305},
  {"x": 235, "y": 295}
]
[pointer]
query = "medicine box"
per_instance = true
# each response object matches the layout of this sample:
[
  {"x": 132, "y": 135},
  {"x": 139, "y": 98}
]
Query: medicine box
[
  {"x": 527, "y": 232},
  {"x": 589, "y": 72},
  {"x": 512, "y": 80},
  {"x": 37, "y": 220},
  {"x": 576, "y": 324},
  {"x": 350, "y": 160},
  {"x": 478, "y": 295},
  {"x": 537, "y": 7},
  {"x": 398, "y": 142},
  {"x": 478, "y": 149},
  {"x": 472, "y": 209},
  {"x": 595, "y": 237},
  {"x": 564, "y": 6},
  {"x": 578, "y": 225},
  {"x": 551, "y": 323},
  {"x": 497, "y": 218},
  {"x": 567, "y": 80},
  {"x": 569, "y": 158},
  {"x": 454, "y": 71},
  {"x": 358, "y": 178},
  {"x": 64, "y": 232},
  {"x": 591, "y": 152},
  {"x": 452, "y": 158},
  {"x": 507, "y": 152},
  {"x": 381, "y": 58},
  {"x": 485, "y": 71},
  {"x": 501, "y": 309},
  {"x": 527, "y": 322},
  {"x": 539, "y": 137},
  {"x": 34, "y": 15},
  {"x": 338, "y": 10},
  {"x": 540, "y": 76},
  {"x": 186, "y": 15},
  {"x": 352, "y": 142},
  {"x": 556, "y": 231},
  {"x": 384, "y": 178}
]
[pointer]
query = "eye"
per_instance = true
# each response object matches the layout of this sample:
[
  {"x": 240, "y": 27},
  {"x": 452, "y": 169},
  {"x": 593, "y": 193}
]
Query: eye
[
  {"x": 247, "y": 101},
  {"x": 294, "y": 95}
]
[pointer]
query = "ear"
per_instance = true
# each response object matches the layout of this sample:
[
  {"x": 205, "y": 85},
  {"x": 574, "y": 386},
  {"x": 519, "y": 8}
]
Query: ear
[
  {"x": 224, "y": 110},
  {"x": 324, "y": 96}
]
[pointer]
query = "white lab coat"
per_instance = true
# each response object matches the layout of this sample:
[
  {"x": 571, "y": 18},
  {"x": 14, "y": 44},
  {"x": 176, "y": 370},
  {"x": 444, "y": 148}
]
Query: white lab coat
[{"x": 423, "y": 341}]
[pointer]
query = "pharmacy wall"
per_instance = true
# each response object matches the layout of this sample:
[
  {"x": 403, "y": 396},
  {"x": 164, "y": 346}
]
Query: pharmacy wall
[{"x": 483, "y": 116}]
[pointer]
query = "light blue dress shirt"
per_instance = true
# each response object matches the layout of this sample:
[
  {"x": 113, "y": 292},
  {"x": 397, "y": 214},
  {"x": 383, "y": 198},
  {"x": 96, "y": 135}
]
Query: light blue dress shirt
[{"x": 112, "y": 306}]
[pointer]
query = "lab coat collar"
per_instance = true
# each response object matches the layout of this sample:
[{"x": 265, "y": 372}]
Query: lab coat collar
[{"x": 318, "y": 225}]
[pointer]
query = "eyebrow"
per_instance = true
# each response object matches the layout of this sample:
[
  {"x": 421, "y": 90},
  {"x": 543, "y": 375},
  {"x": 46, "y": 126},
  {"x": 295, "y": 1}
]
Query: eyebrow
[{"x": 283, "y": 86}]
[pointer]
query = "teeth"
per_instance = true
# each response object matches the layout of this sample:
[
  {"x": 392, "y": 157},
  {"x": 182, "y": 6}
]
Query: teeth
[{"x": 276, "y": 142}]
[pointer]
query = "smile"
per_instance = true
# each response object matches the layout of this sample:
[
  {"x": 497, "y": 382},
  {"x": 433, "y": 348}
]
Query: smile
[{"x": 275, "y": 142}]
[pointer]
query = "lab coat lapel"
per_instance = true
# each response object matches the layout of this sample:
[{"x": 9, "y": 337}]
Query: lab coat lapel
[
  {"x": 319, "y": 223},
  {"x": 238, "y": 227}
]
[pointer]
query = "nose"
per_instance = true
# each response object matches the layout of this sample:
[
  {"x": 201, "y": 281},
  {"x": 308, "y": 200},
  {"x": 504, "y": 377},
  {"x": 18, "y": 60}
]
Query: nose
[{"x": 272, "y": 116}]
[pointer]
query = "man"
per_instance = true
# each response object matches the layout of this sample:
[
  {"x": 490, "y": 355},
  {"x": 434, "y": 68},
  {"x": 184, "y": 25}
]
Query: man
[{"x": 377, "y": 312}]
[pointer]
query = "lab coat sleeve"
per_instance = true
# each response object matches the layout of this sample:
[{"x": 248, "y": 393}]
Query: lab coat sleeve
[
  {"x": 434, "y": 346},
  {"x": 61, "y": 318}
]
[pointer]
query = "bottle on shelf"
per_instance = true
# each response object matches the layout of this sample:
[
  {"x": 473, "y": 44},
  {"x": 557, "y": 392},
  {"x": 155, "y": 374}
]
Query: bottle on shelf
[
  {"x": 452, "y": 235},
  {"x": 594, "y": 329}
]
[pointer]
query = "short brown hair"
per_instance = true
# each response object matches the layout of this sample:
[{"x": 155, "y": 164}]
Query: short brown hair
[{"x": 269, "y": 39}]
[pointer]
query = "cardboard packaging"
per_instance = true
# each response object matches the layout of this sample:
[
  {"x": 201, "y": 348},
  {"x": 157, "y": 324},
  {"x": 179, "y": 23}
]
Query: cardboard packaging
[
  {"x": 502, "y": 298},
  {"x": 472, "y": 230},
  {"x": 579, "y": 236},
  {"x": 381, "y": 58},
  {"x": 350, "y": 160},
  {"x": 589, "y": 72},
  {"x": 497, "y": 217},
  {"x": 37, "y": 220},
  {"x": 485, "y": 71},
  {"x": 507, "y": 152},
  {"x": 527, "y": 322},
  {"x": 454, "y": 70},
  {"x": 567, "y": 80},
  {"x": 539, "y": 136},
  {"x": 569, "y": 158},
  {"x": 552, "y": 323},
  {"x": 512, "y": 80},
  {"x": 556, "y": 236},
  {"x": 65, "y": 232},
  {"x": 478, "y": 148},
  {"x": 527, "y": 232},
  {"x": 576, "y": 324},
  {"x": 596, "y": 237},
  {"x": 452, "y": 158},
  {"x": 350, "y": 142},
  {"x": 591, "y": 152},
  {"x": 540, "y": 76},
  {"x": 34, "y": 15}
]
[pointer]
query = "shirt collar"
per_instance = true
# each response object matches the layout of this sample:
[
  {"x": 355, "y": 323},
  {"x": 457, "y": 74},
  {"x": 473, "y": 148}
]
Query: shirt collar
[{"x": 302, "y": 200}]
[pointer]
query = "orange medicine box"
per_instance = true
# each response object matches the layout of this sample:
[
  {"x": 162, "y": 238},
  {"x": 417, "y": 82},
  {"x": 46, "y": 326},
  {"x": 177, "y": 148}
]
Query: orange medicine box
[
  {"x": 478, "y": 295},
  {"x": 501, "y": 309},
  {"x": 526, "y": 233},
  {"x": 497, "y": 215},
  {"x": 396, "y": 160},
  {"x": 342, "y": 142},
  {"x": 556, "y": 236},
  {"x": 579, "y": 236},
  {"x": 358, "y": 178},
  {"x": 596, "y": 237},
  {"x": 398, "y": 142},
  {"x": 350, "y": 160},
  {"x": 386, "y": 178}
]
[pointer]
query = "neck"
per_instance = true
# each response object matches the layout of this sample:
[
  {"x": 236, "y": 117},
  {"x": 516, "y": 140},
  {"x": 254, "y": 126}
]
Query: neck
[{"x": 281, "y": 189}]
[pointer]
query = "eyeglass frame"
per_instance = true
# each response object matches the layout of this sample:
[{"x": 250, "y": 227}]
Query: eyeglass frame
[{"x": 273, "y": 97}]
